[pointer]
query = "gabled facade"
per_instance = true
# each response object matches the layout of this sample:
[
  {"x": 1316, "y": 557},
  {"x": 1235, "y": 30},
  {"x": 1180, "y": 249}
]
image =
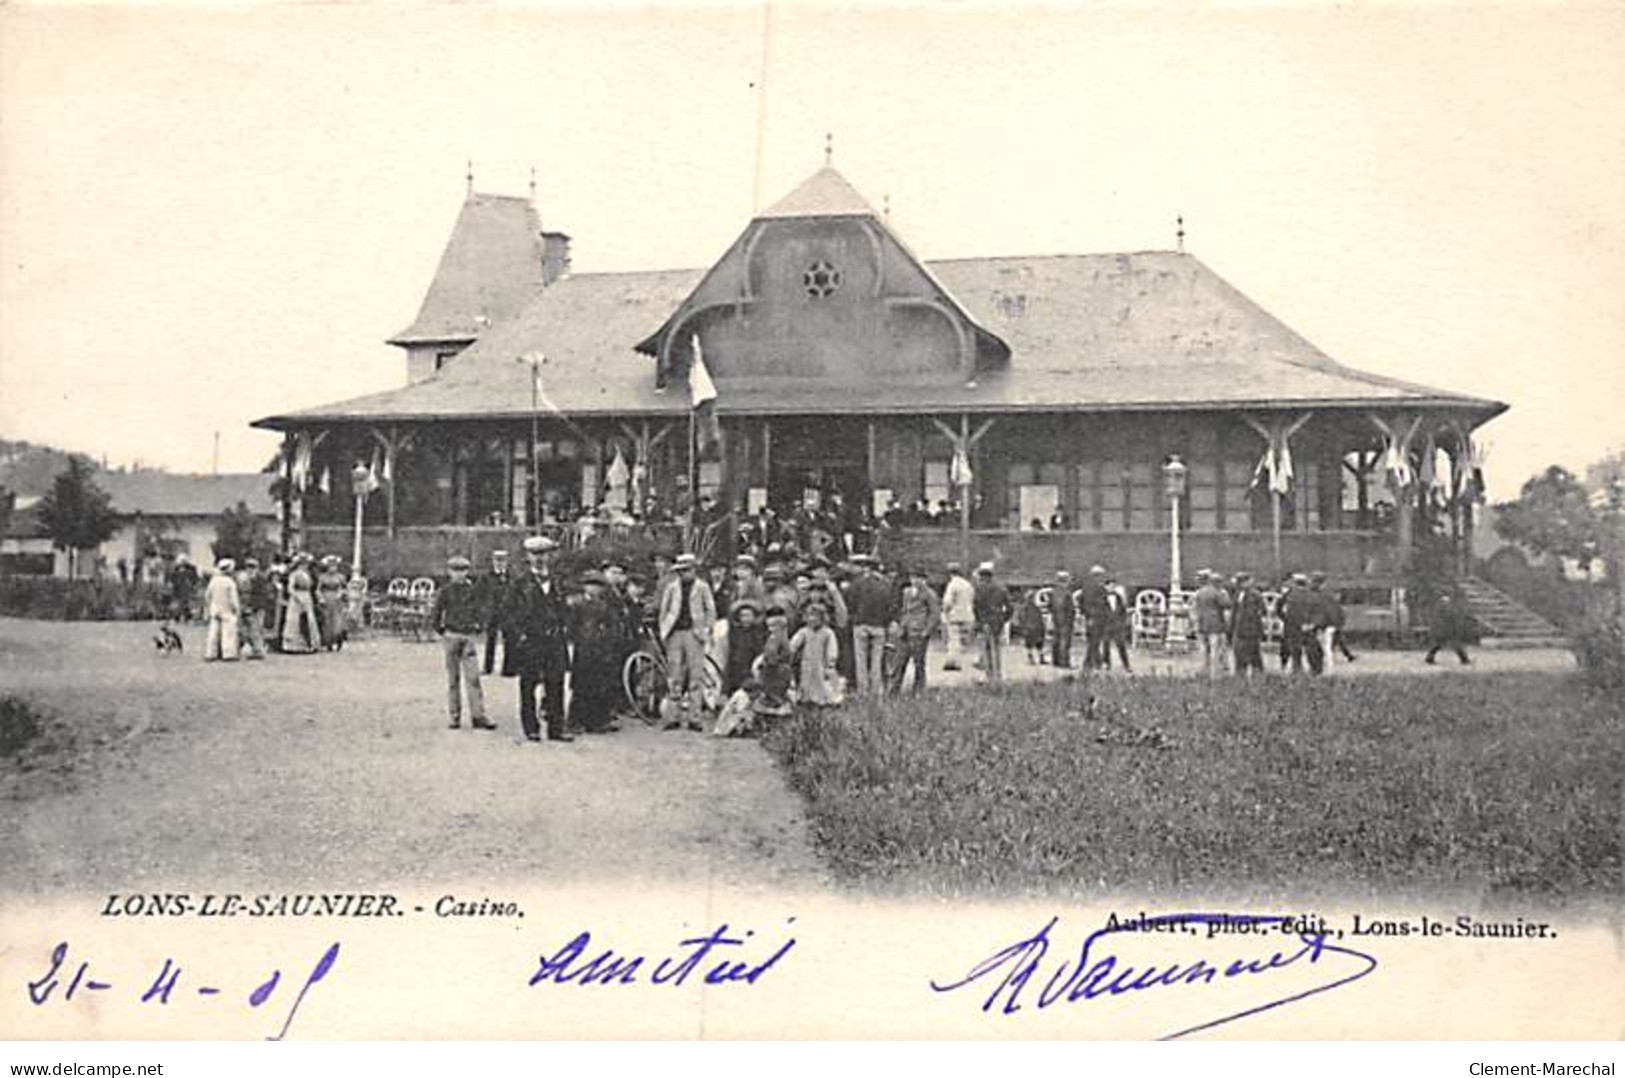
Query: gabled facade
[{"x": 847, "y": 366}]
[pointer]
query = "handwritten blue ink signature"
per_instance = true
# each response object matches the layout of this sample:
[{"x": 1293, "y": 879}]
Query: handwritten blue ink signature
[
  {"x": 568, "y": 965},
  {"x": 1011, "y": 969},
  {"x": 166, "y": 984}
]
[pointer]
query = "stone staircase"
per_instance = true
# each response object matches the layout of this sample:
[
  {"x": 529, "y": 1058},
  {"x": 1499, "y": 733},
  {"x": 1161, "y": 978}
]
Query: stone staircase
[{"x": 1506, "y": 622}]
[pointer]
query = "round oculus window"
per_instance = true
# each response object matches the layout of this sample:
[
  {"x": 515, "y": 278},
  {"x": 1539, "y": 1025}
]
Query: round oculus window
[{"x": 821, "y": 279}]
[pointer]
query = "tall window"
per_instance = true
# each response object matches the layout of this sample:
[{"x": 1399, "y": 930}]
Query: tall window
[
  {"x": 1201, "y": 509},
  {"x": 1144, "y": 483},
  {"x": 710, "y": 477},
  {"x": 1112, "y": 494},
  {"x": 936, "y": 486},
  {"x": 1034, "y": 494},
  {"x": 1238, "y": 495}
]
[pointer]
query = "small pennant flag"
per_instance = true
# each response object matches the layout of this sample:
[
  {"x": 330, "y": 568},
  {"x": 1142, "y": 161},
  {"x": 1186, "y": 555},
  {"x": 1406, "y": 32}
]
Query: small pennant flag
[
  {"x": 326, "y": 484},
  {"x": 959, "y": 471},
  {"x": 618, "y": 473},
  {"x": 373, "y": 482},
  {"x": 702, "y": 394},
  {"x": 301, "y": 462},
  {"x": 1398, "y": 467},
  {"x": 1275, "y": 467}
]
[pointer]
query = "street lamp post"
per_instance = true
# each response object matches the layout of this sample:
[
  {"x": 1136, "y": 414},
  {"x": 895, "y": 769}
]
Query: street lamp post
[
  {"x": 1174, "y": 474},
  {"x": 360, "y": 478}
]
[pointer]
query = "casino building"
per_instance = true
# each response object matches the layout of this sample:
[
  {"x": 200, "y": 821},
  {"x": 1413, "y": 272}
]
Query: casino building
[{"x": 843, "y": 363}]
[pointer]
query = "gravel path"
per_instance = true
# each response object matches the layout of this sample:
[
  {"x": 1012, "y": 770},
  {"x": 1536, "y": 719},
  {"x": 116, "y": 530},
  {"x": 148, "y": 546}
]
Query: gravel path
[{"x": 337, "y": 771}]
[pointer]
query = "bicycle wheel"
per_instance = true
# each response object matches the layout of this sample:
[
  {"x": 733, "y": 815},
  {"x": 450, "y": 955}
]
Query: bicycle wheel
[
  {"x": 712, "y": 691},
  {"x": 643, "y": 679}
]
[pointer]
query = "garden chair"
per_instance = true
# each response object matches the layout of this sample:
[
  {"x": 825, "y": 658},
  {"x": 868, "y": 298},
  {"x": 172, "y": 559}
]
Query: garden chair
[
  {"x": 357, "y": 604},
  {"x": 415, "y": 616},
  {"x": 1149, "y": 620},
  {"x": 387, "y": 614}
]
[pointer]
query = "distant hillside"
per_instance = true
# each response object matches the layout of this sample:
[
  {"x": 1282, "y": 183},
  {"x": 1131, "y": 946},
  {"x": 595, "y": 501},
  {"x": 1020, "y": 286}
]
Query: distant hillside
[{"x": 28, "y": 470}]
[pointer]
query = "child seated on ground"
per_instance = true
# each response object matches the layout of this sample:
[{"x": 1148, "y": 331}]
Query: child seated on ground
[
  {"x": 773, "y": 669},
  {"x": 738, "y": 716}
]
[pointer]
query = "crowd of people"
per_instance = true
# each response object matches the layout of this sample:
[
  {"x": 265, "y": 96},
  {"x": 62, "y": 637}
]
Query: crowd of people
[
  {"x": 769, "y": 629},
  {"x": 297, "y": 606}
]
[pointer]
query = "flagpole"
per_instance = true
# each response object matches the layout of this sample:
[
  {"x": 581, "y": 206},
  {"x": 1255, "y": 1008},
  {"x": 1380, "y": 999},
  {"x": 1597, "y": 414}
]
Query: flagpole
[
  {"x": 1275, "y": 525},
  {"x": 533, "y": 493},
  {"x": 693, "y": 480},
  {"x": 964, "y": 493}
]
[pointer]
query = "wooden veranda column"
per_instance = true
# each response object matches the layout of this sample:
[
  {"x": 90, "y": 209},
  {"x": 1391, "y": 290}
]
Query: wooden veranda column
[
  {"x": 392, "y": 441},
  {"x": 964, "y": 441},
  {"x": 1399, "y": 437},
  {"x": 287, "y": 493},
  {"x": 1277, "y": 464}
]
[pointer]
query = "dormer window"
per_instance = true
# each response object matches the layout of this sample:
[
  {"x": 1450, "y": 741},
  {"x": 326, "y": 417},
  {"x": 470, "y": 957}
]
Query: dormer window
[{"x": 821, "y": 279}]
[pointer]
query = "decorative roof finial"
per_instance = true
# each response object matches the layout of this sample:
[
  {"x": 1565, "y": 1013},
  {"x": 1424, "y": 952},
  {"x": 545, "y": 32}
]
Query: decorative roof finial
[
  {"x": 829, "y": 149},
  {"x": 469, "y": 176},
  {"x": 533, "y": 184},
  {"x": 1179, "y": 234}
]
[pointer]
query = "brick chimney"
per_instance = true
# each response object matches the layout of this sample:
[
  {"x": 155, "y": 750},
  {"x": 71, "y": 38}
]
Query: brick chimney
[{"x": 555, "y": 256}]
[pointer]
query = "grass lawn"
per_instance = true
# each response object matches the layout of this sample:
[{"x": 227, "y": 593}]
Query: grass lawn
[{"x": 1505, "y": 787}]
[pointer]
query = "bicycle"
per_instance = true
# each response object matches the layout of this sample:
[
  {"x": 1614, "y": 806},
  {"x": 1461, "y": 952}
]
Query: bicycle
[{"x": 643, "y": 678}]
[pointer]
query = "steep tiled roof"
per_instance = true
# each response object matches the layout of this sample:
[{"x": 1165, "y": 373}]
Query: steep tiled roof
[
  {"x": 491, "y": 265},
  {"x": 826, "y": 193},
  {"x": 1115, "y": 331},
  {"x": 172, "y": 495}
]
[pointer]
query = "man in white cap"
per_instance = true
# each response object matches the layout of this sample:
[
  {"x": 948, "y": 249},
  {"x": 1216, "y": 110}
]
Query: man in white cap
[
  {"x": 687, "y": 612},
  {"x": 958, "y": 612},
  {"x": 221, "y": 605},
  {"x": 538, "y": 624}
]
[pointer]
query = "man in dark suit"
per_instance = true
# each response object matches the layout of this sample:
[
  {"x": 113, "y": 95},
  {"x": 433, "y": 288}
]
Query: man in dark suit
[
  {"x": 1096, "y": 611},
  {"x": 1247, "y": 626},
  {"x": 1063, "y": 613},
  {"x": 538, "y": 622},
  {"x": 1299, "y": 612},
  {"x": 493, "y": 591}
]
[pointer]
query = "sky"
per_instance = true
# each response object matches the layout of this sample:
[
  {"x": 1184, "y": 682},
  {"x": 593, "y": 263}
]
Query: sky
[{"x": 212, "y": 214}]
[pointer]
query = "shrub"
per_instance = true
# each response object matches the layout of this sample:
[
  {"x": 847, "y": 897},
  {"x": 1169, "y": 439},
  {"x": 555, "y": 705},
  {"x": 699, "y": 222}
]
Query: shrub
[
  {"x": 51, "y": 598},
  {"x": 19, "y": 725},
  {"x": 1600, "y": 648},
  {"x": 1506, "y": 785}
]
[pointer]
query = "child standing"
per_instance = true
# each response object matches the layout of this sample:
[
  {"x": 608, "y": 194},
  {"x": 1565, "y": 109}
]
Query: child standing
[{"x": 816, "y": 653}]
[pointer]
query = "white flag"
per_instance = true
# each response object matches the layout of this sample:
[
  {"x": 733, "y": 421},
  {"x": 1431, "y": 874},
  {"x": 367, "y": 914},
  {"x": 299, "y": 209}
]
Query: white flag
[
  {"x": 702, "y": 394},
  {"x": 959, "y": 471},
  {"x": 1398, "y": 466},
  {"x": 1275, "y": 468},
  {"x": 618, "y": 472},
  {"x": 372, "y": 474},
  {"x": 301, "y": 461},
  {"x": 701, "y": 389}
]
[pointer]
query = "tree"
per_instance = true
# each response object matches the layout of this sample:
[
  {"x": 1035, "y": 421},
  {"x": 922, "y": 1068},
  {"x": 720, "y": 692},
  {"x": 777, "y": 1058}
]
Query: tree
[
  {"x": 1554, "y": 514},
  {"x": 77, "y": 512},
  {"x": 239, "y": 534}
]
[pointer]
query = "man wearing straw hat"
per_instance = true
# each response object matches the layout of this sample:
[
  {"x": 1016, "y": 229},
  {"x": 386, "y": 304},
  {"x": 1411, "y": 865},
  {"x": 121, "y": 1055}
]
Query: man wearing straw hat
[
  {"x": 687, "y": 612},
  {"x": 221, "y": 606}
]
